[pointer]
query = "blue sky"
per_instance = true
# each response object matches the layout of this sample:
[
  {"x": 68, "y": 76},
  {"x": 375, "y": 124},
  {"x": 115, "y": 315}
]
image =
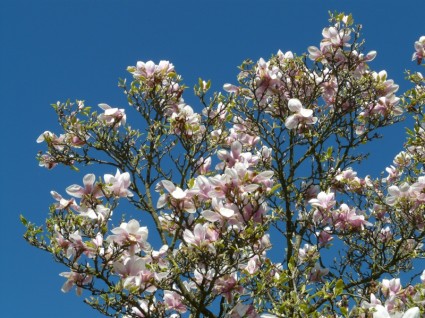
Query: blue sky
[{"x": 55, "y": 49}]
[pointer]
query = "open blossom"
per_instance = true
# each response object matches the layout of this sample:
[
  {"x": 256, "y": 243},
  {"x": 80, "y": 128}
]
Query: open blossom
[
  {"x": 113, "y": 117},
  {"x": 347, "y": 218},
  {"x": 57, "y": 142},
  {"x": 63, "y": 203},
  {"x": 174, "y": 301},
  {"x": 77, "y": 279},
  {"x": 176, "y": 196},
  {"x": 382, "y": 312},
  {"x": 335, "y": 37},
  {"x": 420, "y": 50},
  {"x": 47, "y": 161},
  {"x": 149, "y": 69},
  {"x": 301, "y": 116},
  {"x": 324, "y": 201},
  {"x": 390, "y": 287},
  {"x": 317, "y": 273},
  {"x": 90, "y": 190},
  {"x": 131, "y": 233},
  {"x": 118, "y": 185},
  {"x": 396, "y": 193}
]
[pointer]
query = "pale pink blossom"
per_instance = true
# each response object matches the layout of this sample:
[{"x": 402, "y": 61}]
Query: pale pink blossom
[
  {"x": 118, "y": 185},
  {"x": 76, "y": 279},
  {"x": 176, "y": 196},
  {"x": 47, "y": 161},
  {"x": 317, "y": 273},
  {"x": 302, "y": 115},
  {"x": 382, "y": 312},
  {"x": 396, "y": 193},
  {"x": 113, "y": 117},
  {"x": 199, "y": 237},
  {"x": 390, "y": 287},
  {"x": 228, "y": 287},
  {"x": 347, "y": 218},
  {"x": 131, "y": 233},
  {"x": 63, "y": 203},
  {"x": 324, "y": 237},
  {"x": 149, "y": 70},
  {"x": 324, "y": 200},
  {"x": 420, "y": 50},
  {"x": 336, "y": 37},
  {"x": 172, "y": 300},
  {"x": 90, "y": 190},
  {"x": 57, "y": 142}
]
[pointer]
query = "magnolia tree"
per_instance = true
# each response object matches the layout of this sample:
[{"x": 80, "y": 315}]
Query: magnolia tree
[{"x": 256, "y": 209}]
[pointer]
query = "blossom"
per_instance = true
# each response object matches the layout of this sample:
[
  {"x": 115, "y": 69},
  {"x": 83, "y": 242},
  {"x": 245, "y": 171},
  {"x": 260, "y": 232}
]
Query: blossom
[
  {"x": 324, "y": 200},
  {"x": 317, "y": 273},
  {"x": 63, "y": 203},
  {"x": 90, "y": 190},
  {"x": 118, "y": 185},
  {"x": 47, "y": 161},
  {"x": 113, "y": 117},
  {"x": 391, "y": 287},
  {"x": 130, "y": 233},
  {"x": 149, "y": 69},
  {"x": 420, "y": 50},
  {"x": 57, "y": 142},
  {"x": 77, "y": 279},
  {"x": 382, "y": 312},
  {"x": 302, "y": 115},
  {"x": 396, "y": 193},
  {"x": 174, "y": 301}
]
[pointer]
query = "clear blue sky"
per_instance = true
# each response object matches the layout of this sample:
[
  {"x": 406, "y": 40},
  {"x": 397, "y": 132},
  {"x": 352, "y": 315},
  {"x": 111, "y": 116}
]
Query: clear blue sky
[{"x": 54, "y": 50}]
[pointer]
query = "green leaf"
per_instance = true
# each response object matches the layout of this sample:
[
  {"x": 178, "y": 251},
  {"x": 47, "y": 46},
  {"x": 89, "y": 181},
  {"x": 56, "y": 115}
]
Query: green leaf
[
  {"x": 339, "y": 287},
  {"x": 23, "y": 220}
]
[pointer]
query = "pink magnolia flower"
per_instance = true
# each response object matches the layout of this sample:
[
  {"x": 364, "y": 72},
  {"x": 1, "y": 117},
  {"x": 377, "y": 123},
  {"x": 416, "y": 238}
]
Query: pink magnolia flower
[
  {"x": 131, "y": 233},
  {"x": 390, "y": 287},
  {"x": 301, "y": 116},
  {"x": 382, "y": 312},
  {"x": 420, "y": 50},
  {"x": 100, "y": 213},
  {"x": 243, "y": 311},
  {"x": 317, "y": 273},
  {"x": 253, "y": 265},
  {"x": 77, "y": 279},
  {"x": 199, "y": 237},
  {"x": 346, "y": 218},
  {"x": 373, "y": 302},
  {"x": 230, "y": 88},
  {"x": 113, "y": 117},
  {"x": 306, "y": 253},
  {"x": 118, "y": 185},
  {"x": 47, "y": 161},
  {"x": 324, "y": 237},
  {"x": 396, "y": 193},
  {"x": 176, "y": 196},
  {"x": 228, "y": 286},
  {"x": 63, "y": 203},
  {"x": 57, "y": 142},
  {"x": 172, "y": 300},
  {"x": 220, "y": 212},
  {"x": 90, "y": 190},
  {"x": 149, "y": 69},
  {"x": 324, "y": 200},
  {"x": 130, "y": 266},
  {"x": 204, "y": 165},
  {"x": 336, "y": 38}
]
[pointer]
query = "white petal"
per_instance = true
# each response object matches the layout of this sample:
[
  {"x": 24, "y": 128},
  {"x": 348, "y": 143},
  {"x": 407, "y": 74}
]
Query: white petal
[
  {"x": 294, "y": 105},
  {"x": 412, "y": 313}
]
